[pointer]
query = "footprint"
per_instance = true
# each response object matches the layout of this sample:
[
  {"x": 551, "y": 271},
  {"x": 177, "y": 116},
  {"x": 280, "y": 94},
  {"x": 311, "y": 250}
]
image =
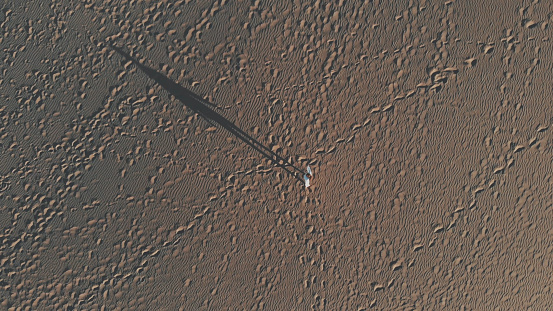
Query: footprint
[
  {"x": 471, "y": 62},
  {"x": 527, "y": 23}
]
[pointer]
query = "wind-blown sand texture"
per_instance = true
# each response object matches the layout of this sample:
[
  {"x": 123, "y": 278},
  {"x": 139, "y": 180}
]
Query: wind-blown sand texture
[{"x": 152, "y": 155}]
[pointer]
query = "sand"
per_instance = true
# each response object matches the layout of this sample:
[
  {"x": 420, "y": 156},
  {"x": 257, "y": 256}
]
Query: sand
[{"x": 171, "y": 178}]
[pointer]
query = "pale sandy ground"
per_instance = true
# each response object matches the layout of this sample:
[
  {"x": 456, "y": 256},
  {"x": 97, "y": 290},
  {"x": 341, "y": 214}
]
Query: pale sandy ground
[{"x": 427, "y": 124}]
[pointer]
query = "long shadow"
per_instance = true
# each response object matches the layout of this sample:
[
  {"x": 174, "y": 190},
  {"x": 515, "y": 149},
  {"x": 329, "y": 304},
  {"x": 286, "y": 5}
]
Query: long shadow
[{"x": 200, "y": 106}]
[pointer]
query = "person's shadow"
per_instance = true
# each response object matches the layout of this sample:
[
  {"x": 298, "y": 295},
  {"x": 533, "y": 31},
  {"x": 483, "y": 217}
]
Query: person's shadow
[{"x": 200, "y": 106}]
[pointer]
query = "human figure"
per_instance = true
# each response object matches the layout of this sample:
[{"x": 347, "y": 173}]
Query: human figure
[{"x": 307, "y": 177}]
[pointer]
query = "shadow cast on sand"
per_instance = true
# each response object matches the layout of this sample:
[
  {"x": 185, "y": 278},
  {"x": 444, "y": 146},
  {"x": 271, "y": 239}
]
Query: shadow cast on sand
[{"x": 200, "y": 106}]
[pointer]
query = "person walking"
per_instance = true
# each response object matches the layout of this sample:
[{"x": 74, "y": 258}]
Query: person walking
[{"x": 307, "y": 177}]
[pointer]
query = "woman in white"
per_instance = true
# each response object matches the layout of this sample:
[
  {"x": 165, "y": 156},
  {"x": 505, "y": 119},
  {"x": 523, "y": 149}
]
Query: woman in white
[{"x": 307, "y": 176}]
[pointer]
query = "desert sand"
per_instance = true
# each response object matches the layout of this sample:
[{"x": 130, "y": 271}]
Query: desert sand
[{"x": 153, "y": 152}]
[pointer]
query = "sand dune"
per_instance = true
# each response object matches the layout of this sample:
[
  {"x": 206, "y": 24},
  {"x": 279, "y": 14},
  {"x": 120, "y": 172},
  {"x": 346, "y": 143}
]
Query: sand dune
[{"x": 153, "y": 153}]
